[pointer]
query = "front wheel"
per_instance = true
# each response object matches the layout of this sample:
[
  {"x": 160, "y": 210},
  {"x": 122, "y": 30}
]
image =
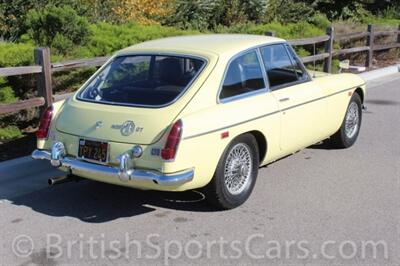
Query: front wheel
[
  {"x": 235, "y": 175},
  {"x": 347, "y": 135}
]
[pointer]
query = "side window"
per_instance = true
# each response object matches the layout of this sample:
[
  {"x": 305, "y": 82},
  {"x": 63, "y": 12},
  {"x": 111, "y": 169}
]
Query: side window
[
  {"x": 280, "y": 67},
  {"x": 243, "y": 75}
]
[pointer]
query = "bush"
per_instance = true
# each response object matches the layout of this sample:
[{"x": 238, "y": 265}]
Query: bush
[
  {"x": 294, "y": 11},
  {"x": 12, "y": 13},
  {"x": 242, "y": 11},
  {"x": 288, "y": 31},
  {"x": 196, "y": 14},
  {"x": 319, "y": 20},
  {"x": 62, "y": 44},
  {"x": 143, "y": 11},
  {"x": 9, "y": 132},
  {"x": 16, "y": 54},
  {"x": 355, "y": 12},
  {"x": 107, "y": 38},
  {"x": 57, "y": 27},
  {"x": 391, "y": 12},
  {"x": 6, "y": 92},
  {"x": 206, "y": 15},
  {"x": 12, "y": 54}
]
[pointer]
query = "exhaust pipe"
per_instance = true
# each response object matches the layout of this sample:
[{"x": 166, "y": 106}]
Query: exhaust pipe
[{"x": 62, "y": 179}]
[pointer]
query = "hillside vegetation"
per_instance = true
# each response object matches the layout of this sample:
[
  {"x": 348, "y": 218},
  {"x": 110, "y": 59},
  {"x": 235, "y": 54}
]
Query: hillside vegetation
[{"x": 89, "y": 28}]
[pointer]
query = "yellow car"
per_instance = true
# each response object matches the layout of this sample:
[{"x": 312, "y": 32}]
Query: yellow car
[{"x": 202, "y": 111}]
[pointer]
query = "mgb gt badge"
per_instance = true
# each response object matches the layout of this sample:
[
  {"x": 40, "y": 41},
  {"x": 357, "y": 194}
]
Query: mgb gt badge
[{"x": 127, "y": 128}]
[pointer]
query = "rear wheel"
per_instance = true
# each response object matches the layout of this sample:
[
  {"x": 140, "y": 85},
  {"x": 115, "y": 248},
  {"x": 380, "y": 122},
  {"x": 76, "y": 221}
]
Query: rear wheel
[
  {"x": 235, "y": 175},
  {"x": 347, "y": 135}
]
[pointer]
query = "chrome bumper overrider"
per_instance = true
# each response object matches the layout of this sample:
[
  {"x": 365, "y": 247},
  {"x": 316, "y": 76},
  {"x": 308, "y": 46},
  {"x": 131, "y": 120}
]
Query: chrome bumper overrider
[{"x": 125, "y": 172}]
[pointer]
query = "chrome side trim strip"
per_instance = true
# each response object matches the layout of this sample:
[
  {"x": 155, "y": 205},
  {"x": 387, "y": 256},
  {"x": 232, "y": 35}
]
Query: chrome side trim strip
[
  {"x": 236, "y": 124},
  {"x": 317, "y": 99},
  {"x": 268, "y": 114}
]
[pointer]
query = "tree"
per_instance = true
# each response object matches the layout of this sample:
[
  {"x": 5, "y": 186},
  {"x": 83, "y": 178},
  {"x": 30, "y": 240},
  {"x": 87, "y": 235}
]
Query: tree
[
  {"x": 12, "y": 17},
  {"x": 143, "y": 11},
  {"x": 207, "y": 14},
  {"x": 351, "y": 8}
]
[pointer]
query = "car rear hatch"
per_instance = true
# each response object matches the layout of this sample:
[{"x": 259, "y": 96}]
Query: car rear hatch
[
  {"x": 134, "y": 98},
  {"x": 114, "y": 123}
]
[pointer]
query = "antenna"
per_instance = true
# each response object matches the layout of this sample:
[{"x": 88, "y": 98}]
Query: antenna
[{"x": 314, "y": 62}]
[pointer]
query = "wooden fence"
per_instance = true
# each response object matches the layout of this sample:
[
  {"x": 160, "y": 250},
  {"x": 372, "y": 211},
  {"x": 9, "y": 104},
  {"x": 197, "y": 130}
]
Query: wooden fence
[{"x": 43, "y": 67}]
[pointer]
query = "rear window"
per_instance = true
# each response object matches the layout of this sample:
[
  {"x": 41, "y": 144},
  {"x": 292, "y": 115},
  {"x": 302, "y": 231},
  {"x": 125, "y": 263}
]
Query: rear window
[{"x": 142, "y": 80}]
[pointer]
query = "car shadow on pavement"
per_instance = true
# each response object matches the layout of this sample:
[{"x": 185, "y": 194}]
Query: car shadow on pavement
[
  {"x": 383, "y": 102},
  {"x": 95, "y": 202},
  {"x": 323, "y": 145}
]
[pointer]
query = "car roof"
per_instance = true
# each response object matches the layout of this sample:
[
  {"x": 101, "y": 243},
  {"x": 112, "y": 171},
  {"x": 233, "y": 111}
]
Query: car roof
[{"x": 219, "y": 44}]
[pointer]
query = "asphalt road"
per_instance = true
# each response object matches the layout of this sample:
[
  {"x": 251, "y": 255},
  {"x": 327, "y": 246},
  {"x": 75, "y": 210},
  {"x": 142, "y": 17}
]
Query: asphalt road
[{"x": 316, "y": 207}]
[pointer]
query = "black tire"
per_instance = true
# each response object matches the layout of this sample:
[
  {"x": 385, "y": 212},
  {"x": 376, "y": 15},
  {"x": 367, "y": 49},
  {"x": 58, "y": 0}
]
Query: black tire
[
  {"x": 341, "y": 139},
  {"x": 217, "y": 192}
]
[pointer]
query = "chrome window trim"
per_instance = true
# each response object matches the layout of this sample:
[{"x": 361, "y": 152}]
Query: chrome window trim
[
  {"x": 243, "y": 95},
  {"x": 247, "y": 94},
  {"x": 263, "y": 70},
  {"x": 298, "y": 60},
  {"x": 185, "y": 89},
  {"x": 286, "y": 85}
]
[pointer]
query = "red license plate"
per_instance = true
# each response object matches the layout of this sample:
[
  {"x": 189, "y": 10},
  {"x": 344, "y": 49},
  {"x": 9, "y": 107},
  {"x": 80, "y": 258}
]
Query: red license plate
[{"x": 93, "y": 150}]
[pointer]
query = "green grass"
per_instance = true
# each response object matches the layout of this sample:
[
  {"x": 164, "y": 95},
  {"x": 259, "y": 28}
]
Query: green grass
[{"x": 381, "y": 21}]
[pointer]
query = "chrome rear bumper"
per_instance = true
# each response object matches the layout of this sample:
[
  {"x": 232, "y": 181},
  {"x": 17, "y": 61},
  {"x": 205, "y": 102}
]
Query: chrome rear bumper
[{"x": 124, "y": 173}]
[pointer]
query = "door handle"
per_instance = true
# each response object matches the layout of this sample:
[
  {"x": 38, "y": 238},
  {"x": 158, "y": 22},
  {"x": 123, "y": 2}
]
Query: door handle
[{"x": 284, "y": 99}]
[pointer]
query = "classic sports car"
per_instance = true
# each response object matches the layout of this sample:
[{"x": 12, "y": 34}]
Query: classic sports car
[{"x": 194, "y": 112}]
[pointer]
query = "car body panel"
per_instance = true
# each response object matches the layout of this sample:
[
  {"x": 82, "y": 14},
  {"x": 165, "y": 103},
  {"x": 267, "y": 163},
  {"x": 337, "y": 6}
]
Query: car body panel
[
  {"x": 314, "y": 111},
  {"x": 338, "y": 90},
  {"x": 296, "y": 103}
]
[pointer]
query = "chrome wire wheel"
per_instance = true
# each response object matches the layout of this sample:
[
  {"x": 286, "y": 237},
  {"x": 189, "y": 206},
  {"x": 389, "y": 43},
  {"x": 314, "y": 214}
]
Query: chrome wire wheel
[
  {"x": 238, "y": 168},
  {"x": 352, "y": 120}
]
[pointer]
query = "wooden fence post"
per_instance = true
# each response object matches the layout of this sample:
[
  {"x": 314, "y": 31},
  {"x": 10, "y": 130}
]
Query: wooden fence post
[
  {"x": 398, "y": 34},
  {"x": 329, "y": 49},
  {"x": 42, "y": 58},
  {"x": 370, "y": 44},
  {"x": 269, "y": 33}
]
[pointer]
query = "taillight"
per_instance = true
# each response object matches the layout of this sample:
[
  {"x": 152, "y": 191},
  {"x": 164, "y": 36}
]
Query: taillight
[
  {"x": 44, "y": 124},
  {"x": 174, "y": 137}
]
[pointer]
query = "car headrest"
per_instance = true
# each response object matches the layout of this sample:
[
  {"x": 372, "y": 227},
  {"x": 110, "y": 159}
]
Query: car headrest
[{"x": 171, "y": 71}]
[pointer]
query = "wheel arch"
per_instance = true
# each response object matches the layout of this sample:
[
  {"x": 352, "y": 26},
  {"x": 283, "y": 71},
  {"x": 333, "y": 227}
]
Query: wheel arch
[
  {"x": 261, "y": 142},
  {"x": 360, "y": 93}
]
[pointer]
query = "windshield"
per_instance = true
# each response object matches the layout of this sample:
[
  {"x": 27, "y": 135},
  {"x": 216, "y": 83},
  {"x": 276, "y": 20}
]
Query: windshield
[{"x": 144, "y": 80}]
